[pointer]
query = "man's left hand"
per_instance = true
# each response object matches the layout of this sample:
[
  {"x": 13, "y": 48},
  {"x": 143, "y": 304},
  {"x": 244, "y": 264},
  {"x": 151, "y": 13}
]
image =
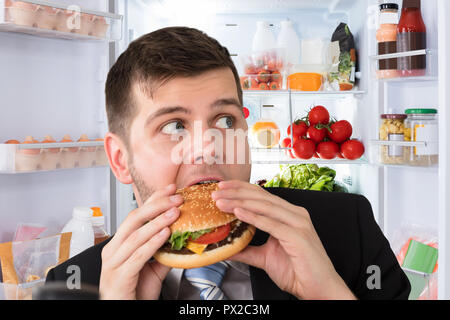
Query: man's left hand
[{"x": 293, "y": 256}]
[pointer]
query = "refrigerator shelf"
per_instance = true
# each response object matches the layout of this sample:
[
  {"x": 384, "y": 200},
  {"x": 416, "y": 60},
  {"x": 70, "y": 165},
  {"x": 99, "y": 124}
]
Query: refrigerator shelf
[
  {"x": 38, "y": 157},
  {"x": 278, "y": 156},
  {"x": 399, "y": 143},
  {"x": 284, "y": 93},
  {"x": 60, "y": 21}
]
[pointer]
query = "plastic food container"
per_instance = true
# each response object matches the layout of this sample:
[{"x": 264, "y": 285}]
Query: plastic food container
[
  {"x": 69, "y": 24},
  {"x": 48, "y": 155},
  {"x": 265, "y": 134},
  {"x": 392, "y": 128},
  {"x": 263, "y": 71},
  {"x": 305, "y": 81},
  {"x": 422, "y": 126}
]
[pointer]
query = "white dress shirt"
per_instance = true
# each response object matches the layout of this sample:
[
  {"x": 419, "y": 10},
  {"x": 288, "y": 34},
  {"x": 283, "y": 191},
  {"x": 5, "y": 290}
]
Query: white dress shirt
[{"x": 236, "y": 284}]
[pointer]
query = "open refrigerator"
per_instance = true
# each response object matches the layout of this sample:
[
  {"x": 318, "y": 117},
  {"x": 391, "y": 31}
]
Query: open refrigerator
[{"x": 52, "y": 83}]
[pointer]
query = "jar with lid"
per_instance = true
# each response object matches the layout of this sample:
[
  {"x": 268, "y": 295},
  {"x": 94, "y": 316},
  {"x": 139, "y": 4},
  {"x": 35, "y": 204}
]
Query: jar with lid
[
  {"x": 98, "y": 224},
  {"x": 392, "y": 128},
  {"x": 387, "y": 40},
  {"x": 422, "y": 126}
]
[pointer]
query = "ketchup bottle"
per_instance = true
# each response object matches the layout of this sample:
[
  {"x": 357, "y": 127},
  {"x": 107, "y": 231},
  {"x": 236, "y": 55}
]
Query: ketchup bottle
[{"x": 411, "y": 36}]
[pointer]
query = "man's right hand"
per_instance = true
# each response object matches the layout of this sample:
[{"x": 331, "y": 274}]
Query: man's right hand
[{"x": 126, "y": 271}]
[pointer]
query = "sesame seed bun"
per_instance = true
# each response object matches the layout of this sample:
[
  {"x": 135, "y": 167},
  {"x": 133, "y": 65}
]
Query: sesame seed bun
[{"x": 199, "y": 210}]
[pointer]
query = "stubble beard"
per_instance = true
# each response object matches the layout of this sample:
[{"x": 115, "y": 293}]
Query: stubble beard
[{"x": 144, "y": 191}]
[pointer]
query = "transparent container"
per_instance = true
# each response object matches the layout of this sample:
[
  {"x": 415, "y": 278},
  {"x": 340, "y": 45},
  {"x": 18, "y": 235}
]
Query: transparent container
[
  {"x": 59, "y": 20},
  {"x": 98, "y": 224},
  {"x": 23, "y": 291},
  {"x": 263, "y": 70},
  {"x": 422, "y": 126},
  {"x": 32, "y": 155},
  {"x": 392, "y": 128}
]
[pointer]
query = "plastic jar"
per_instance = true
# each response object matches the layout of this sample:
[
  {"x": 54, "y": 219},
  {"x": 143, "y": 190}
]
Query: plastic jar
[
  {"x": 98, "y": 224},
  {"x": 422, "y": 126},
  {"x": 392, "y": 128}
]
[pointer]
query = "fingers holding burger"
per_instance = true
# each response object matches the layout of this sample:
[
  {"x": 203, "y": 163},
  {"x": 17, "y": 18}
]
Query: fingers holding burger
[{"x": 203, "y": 234}]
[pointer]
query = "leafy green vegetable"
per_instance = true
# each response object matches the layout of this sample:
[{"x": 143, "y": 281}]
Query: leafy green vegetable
[
  {"x": 306, "y": 177},
  {"x": 179, "y": 239}
]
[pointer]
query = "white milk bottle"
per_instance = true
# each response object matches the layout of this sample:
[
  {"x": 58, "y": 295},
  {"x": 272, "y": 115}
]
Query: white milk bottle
[{"x": 82, "y": 231}]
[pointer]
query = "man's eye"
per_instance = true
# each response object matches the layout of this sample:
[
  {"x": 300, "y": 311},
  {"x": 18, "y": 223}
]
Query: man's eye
[
  {"x": 225, "y": 122},
  {"x": 173, "y": 127}
]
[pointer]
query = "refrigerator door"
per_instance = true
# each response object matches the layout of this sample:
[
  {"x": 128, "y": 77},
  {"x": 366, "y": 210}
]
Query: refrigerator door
[{"x": 52, "y": 86}]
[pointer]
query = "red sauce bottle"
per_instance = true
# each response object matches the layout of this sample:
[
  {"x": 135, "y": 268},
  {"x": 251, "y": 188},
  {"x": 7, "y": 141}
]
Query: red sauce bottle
[{"x": 411, "y": 36}]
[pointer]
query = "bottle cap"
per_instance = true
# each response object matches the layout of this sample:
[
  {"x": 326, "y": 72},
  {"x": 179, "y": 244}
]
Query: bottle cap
[
  {"x": 82, "y": 213},
  {"x": 286, "y": 23},
  {"x": 97, "y": 212},
  {"x": 389, "y": 6}
]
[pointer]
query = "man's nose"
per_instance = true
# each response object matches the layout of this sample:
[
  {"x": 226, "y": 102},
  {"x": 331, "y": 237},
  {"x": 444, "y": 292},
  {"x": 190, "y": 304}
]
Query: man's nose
[{"x": 206, "y": 145}]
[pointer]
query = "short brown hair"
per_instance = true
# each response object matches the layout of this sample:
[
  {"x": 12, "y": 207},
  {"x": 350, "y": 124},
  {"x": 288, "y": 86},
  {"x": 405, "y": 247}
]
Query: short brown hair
[{"x": 154, "y": 59}]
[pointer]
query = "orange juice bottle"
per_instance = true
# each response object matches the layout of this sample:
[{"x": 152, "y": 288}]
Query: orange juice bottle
[{"x": 98, "y": 223}]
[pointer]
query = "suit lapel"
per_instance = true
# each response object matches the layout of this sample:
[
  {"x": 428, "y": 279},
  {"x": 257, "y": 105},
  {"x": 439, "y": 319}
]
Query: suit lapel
[{"x": 263, "y": 287}]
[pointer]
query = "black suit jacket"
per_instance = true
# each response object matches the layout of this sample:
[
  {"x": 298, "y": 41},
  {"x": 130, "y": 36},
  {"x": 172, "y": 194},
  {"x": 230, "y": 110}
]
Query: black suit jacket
[{"x": 347, "y": 229}]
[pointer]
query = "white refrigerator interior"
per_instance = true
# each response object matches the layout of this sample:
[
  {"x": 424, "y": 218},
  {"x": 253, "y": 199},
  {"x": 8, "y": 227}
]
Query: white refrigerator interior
[
  {"x": 400, "y": 195},
  {"x": 55, "y": 86},
  {"x": 52, "y": 86}
]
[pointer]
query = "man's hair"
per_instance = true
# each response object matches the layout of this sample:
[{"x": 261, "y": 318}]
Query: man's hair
[{"x": 155, "y": 59}]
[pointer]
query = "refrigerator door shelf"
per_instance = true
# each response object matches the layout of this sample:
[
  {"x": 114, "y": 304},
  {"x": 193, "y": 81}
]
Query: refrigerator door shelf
[
  {"x": 51, "y": 156},
  {"x": 295, "y": 93},
  {"x": 430, "y": 74},
  {"x": 51, "y": 20}
]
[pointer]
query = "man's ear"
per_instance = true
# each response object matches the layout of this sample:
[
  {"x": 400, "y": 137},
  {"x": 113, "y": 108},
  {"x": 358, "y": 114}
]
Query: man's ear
[{"x": 117, "y": 154}]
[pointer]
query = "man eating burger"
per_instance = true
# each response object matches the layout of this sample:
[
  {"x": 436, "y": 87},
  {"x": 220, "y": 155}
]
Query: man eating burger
[{"x": 198, "y": 215}]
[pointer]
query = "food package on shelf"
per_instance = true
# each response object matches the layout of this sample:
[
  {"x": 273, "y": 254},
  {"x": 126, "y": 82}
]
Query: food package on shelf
[
  {"x": 263, "y": 70},
  {"x": 343, "y": 53},
  {"x": 25, "y": 264},
  {"x": 416, "y": 249}
]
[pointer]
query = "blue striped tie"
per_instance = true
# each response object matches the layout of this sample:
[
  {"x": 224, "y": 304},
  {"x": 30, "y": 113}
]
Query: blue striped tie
[{"x": 208, "y": 280}]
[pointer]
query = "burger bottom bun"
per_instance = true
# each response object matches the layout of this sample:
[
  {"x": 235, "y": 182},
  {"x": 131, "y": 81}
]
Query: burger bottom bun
[{"x": 189, "y": 261}]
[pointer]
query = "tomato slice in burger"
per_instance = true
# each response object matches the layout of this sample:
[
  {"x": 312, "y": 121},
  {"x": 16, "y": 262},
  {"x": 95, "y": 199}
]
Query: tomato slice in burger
[{"x": 214, "y": 236}]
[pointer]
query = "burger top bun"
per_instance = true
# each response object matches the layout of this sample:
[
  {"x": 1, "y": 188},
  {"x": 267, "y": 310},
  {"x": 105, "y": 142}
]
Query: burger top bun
[{"x": 199, "y": 210}]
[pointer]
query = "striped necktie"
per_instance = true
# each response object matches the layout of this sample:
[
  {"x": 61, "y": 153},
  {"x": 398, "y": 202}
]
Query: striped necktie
[{"x": 208, "y": 280}]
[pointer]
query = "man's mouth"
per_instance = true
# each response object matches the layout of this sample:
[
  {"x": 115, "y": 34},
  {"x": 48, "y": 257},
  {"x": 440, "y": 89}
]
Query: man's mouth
[
  {"x": 208, "y": 181},
  {"x": 205, "y": 181}
]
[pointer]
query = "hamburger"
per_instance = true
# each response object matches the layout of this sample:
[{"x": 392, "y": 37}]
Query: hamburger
[{"x": 203, "y": 234}]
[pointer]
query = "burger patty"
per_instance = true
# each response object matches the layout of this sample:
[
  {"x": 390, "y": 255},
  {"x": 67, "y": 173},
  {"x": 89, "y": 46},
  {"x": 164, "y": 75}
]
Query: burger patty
[{"x": 236, "y": 232}]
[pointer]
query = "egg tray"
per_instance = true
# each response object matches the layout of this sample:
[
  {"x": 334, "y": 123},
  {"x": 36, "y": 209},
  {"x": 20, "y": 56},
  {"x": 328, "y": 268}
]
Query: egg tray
[
  {"x": 51, "y": 156},
  {"x": 58, "y": 20}
]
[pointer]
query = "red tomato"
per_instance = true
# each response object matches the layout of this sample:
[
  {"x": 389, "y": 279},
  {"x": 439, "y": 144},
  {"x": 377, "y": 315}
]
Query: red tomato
[
  {"x": 263, "y": 76},
  {"x": 246, "y": 112},
  {"x": 217, "y": 235},
  {"x": 316, "y": 134},
  {"x": 263, "y": 86},
  {"x": 341, "y": 131},
  {"x": 328, "y": 150},
  {"x": 275, "y": 76},
  {"x": 286, "y": 143},
  {"x": 274, "y": 86},
  {"x": 304, "y": 149},
  {"x": 352, "y": 149},
  {"x": 319, "y": 115},
  {"x": 300, "y": 129}
]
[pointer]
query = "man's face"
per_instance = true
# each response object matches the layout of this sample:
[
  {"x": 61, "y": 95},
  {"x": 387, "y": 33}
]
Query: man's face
[{"x": 199, "y": 107}]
